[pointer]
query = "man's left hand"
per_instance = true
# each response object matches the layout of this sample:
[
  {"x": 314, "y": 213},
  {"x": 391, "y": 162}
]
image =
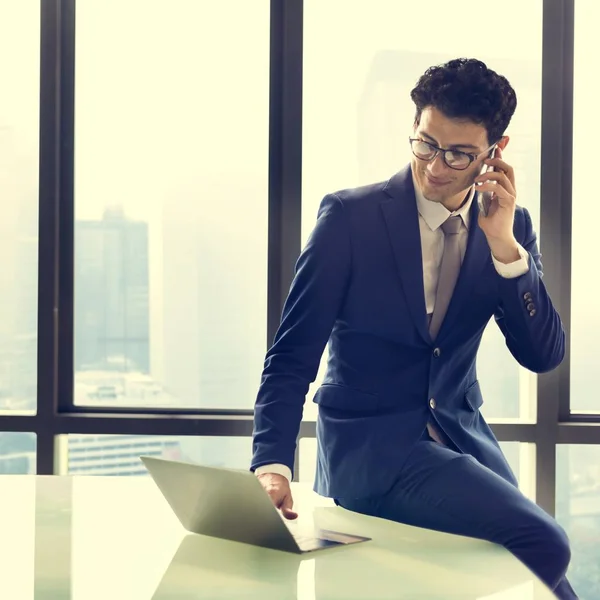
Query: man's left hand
[{"x": 498, "y": 225}]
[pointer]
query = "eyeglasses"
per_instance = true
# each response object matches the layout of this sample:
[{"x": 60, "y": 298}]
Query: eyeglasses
[{"x": 455, "y": 159}]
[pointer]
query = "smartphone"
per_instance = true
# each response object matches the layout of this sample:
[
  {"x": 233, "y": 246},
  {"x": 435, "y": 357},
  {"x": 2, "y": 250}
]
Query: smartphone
[{"x": 484, "y": 199}]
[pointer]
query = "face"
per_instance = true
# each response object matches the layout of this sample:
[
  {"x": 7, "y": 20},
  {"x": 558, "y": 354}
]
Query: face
[{"x": 437, "y": 181}]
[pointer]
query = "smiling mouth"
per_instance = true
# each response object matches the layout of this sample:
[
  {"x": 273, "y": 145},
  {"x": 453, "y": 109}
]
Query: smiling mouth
[{"x": 436, "y": 182}]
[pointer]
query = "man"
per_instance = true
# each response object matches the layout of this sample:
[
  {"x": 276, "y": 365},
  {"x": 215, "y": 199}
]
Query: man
[{"x": 402, "y": 278}]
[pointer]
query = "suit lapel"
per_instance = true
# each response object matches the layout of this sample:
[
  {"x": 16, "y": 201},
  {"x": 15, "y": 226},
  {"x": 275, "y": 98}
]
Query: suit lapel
[
  {"x": 476, "y": 257},
  {"x": 402, "y": 221}
]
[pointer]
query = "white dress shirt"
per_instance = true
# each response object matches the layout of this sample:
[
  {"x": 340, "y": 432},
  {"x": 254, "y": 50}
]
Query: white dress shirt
[{"x": 431, "y": 217}]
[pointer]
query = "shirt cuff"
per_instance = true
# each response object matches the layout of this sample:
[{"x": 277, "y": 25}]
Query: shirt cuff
[
  {"x": 514, "y": 269},
  {"x": 276, "y": 468}
]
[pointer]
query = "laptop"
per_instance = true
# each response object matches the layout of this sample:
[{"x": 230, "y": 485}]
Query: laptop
[{"x": 231, "y": 504}]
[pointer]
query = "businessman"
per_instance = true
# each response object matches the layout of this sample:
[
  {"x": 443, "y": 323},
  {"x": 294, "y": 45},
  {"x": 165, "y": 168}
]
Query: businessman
[{"x": 401, "y": 278}]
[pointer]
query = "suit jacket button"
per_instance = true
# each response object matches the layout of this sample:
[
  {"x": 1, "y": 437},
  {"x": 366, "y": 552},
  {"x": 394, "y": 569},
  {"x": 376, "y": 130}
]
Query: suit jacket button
[
  {"x": 530, "y": 306},
  {"x": 432, "y": 403},
  {"x": 527, "y": 296},
  {"x": 437, "y": 352},
  {"x": 532, "y": 312}
]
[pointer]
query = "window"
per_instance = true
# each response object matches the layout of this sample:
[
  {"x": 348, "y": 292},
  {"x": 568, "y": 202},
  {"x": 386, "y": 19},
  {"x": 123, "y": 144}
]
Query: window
[
  {"x": 356, "y": 124},
  {"x": 103, "y": 454},
  {"x": 171, "y": 203},
  {"x": 578, "y": 511},
  {"x": 172, "y": 134},
  {"x": 585, "y": 328},
  {"x": 17, "y": 453},
  {"x": 19, "y": 156}
]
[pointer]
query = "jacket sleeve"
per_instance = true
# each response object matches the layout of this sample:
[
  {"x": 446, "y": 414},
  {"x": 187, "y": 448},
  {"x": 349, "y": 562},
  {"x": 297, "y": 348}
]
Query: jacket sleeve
[
  {"x": 531, "y": 326},
  {"x": 320, "y": 282}
]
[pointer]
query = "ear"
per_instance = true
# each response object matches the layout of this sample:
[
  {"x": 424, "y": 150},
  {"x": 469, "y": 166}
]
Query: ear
[{"x": 503, "y": 142}]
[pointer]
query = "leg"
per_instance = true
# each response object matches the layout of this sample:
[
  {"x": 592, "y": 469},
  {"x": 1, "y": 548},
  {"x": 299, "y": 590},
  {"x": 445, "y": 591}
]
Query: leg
[{"x": 441, "y": 489}]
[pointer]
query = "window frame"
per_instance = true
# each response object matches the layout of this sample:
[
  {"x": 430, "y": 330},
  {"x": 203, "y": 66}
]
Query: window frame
[{"x": 56, "y": 413}]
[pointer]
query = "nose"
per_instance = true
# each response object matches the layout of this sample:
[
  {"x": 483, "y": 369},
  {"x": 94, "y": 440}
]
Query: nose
[{"x": 437, "y": 167}]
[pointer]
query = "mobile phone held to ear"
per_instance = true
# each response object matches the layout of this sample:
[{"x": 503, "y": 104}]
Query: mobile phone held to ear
[{"x": 484, "y": 199}]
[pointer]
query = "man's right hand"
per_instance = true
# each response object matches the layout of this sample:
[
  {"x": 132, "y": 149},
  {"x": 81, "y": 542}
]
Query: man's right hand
[{"x": 278, "y": 488}]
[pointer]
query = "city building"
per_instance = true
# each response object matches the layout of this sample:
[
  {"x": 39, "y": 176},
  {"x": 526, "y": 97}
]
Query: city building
[{"x": 111, "y": 294}]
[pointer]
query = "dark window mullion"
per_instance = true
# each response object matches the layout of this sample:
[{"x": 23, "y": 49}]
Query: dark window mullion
[
  {"x": 285, "y": 154},
  {"x": 56, "y": 154},
  {"x": 66, "y": 207},
  {"x": 555, "y": 229}
]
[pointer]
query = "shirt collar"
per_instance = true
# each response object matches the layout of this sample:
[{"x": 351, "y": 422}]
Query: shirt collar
[{"x": 434, "y": 213}]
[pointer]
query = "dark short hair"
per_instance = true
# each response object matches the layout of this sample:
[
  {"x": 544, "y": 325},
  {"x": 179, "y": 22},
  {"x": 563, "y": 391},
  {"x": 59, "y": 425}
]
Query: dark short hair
[{"x": 466, "y": 88}]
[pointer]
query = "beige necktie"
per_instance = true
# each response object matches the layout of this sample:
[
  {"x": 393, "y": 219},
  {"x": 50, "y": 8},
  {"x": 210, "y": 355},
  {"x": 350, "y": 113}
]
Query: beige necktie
[{"x": 449, "y": 270}]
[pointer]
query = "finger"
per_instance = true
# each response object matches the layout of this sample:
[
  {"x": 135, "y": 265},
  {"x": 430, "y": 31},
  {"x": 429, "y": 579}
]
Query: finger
[
  {"x": 286, "y": 508},
  {"x": 498, "y": 152},
  {"x": 275, "y": 495},
  {"x": 289, "y": 514},
  {"x": 499, "y": 160},
  {"x": 499, "y": 164},
  {"x": 501, "y": 178},
  {"x": 501, "y": 196},
  {"x": 502, "y": 167}
]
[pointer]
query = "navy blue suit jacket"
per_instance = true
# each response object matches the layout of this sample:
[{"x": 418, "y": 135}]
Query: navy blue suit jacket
[{"x": 359, "y": 284}]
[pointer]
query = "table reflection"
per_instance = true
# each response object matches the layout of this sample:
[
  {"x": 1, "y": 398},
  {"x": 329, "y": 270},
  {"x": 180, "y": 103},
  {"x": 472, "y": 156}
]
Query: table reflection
[
  {"x": 90, "y": 538},
  {"x": 124, "y": 536},
  {"x": 17, "y": 528},
  {"x": 53, "y": 536},
  {"x": 404, "y": 563}
]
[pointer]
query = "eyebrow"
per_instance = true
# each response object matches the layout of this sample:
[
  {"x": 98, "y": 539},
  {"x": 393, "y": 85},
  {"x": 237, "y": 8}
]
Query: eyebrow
[{"x": 469, "y": 146}]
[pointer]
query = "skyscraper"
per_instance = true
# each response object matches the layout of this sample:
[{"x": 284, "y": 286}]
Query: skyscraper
[{"x": 111, "y": 294}]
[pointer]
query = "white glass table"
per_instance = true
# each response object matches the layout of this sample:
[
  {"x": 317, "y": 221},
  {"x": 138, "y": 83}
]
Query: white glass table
[{"x": 88, "y": 538}]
